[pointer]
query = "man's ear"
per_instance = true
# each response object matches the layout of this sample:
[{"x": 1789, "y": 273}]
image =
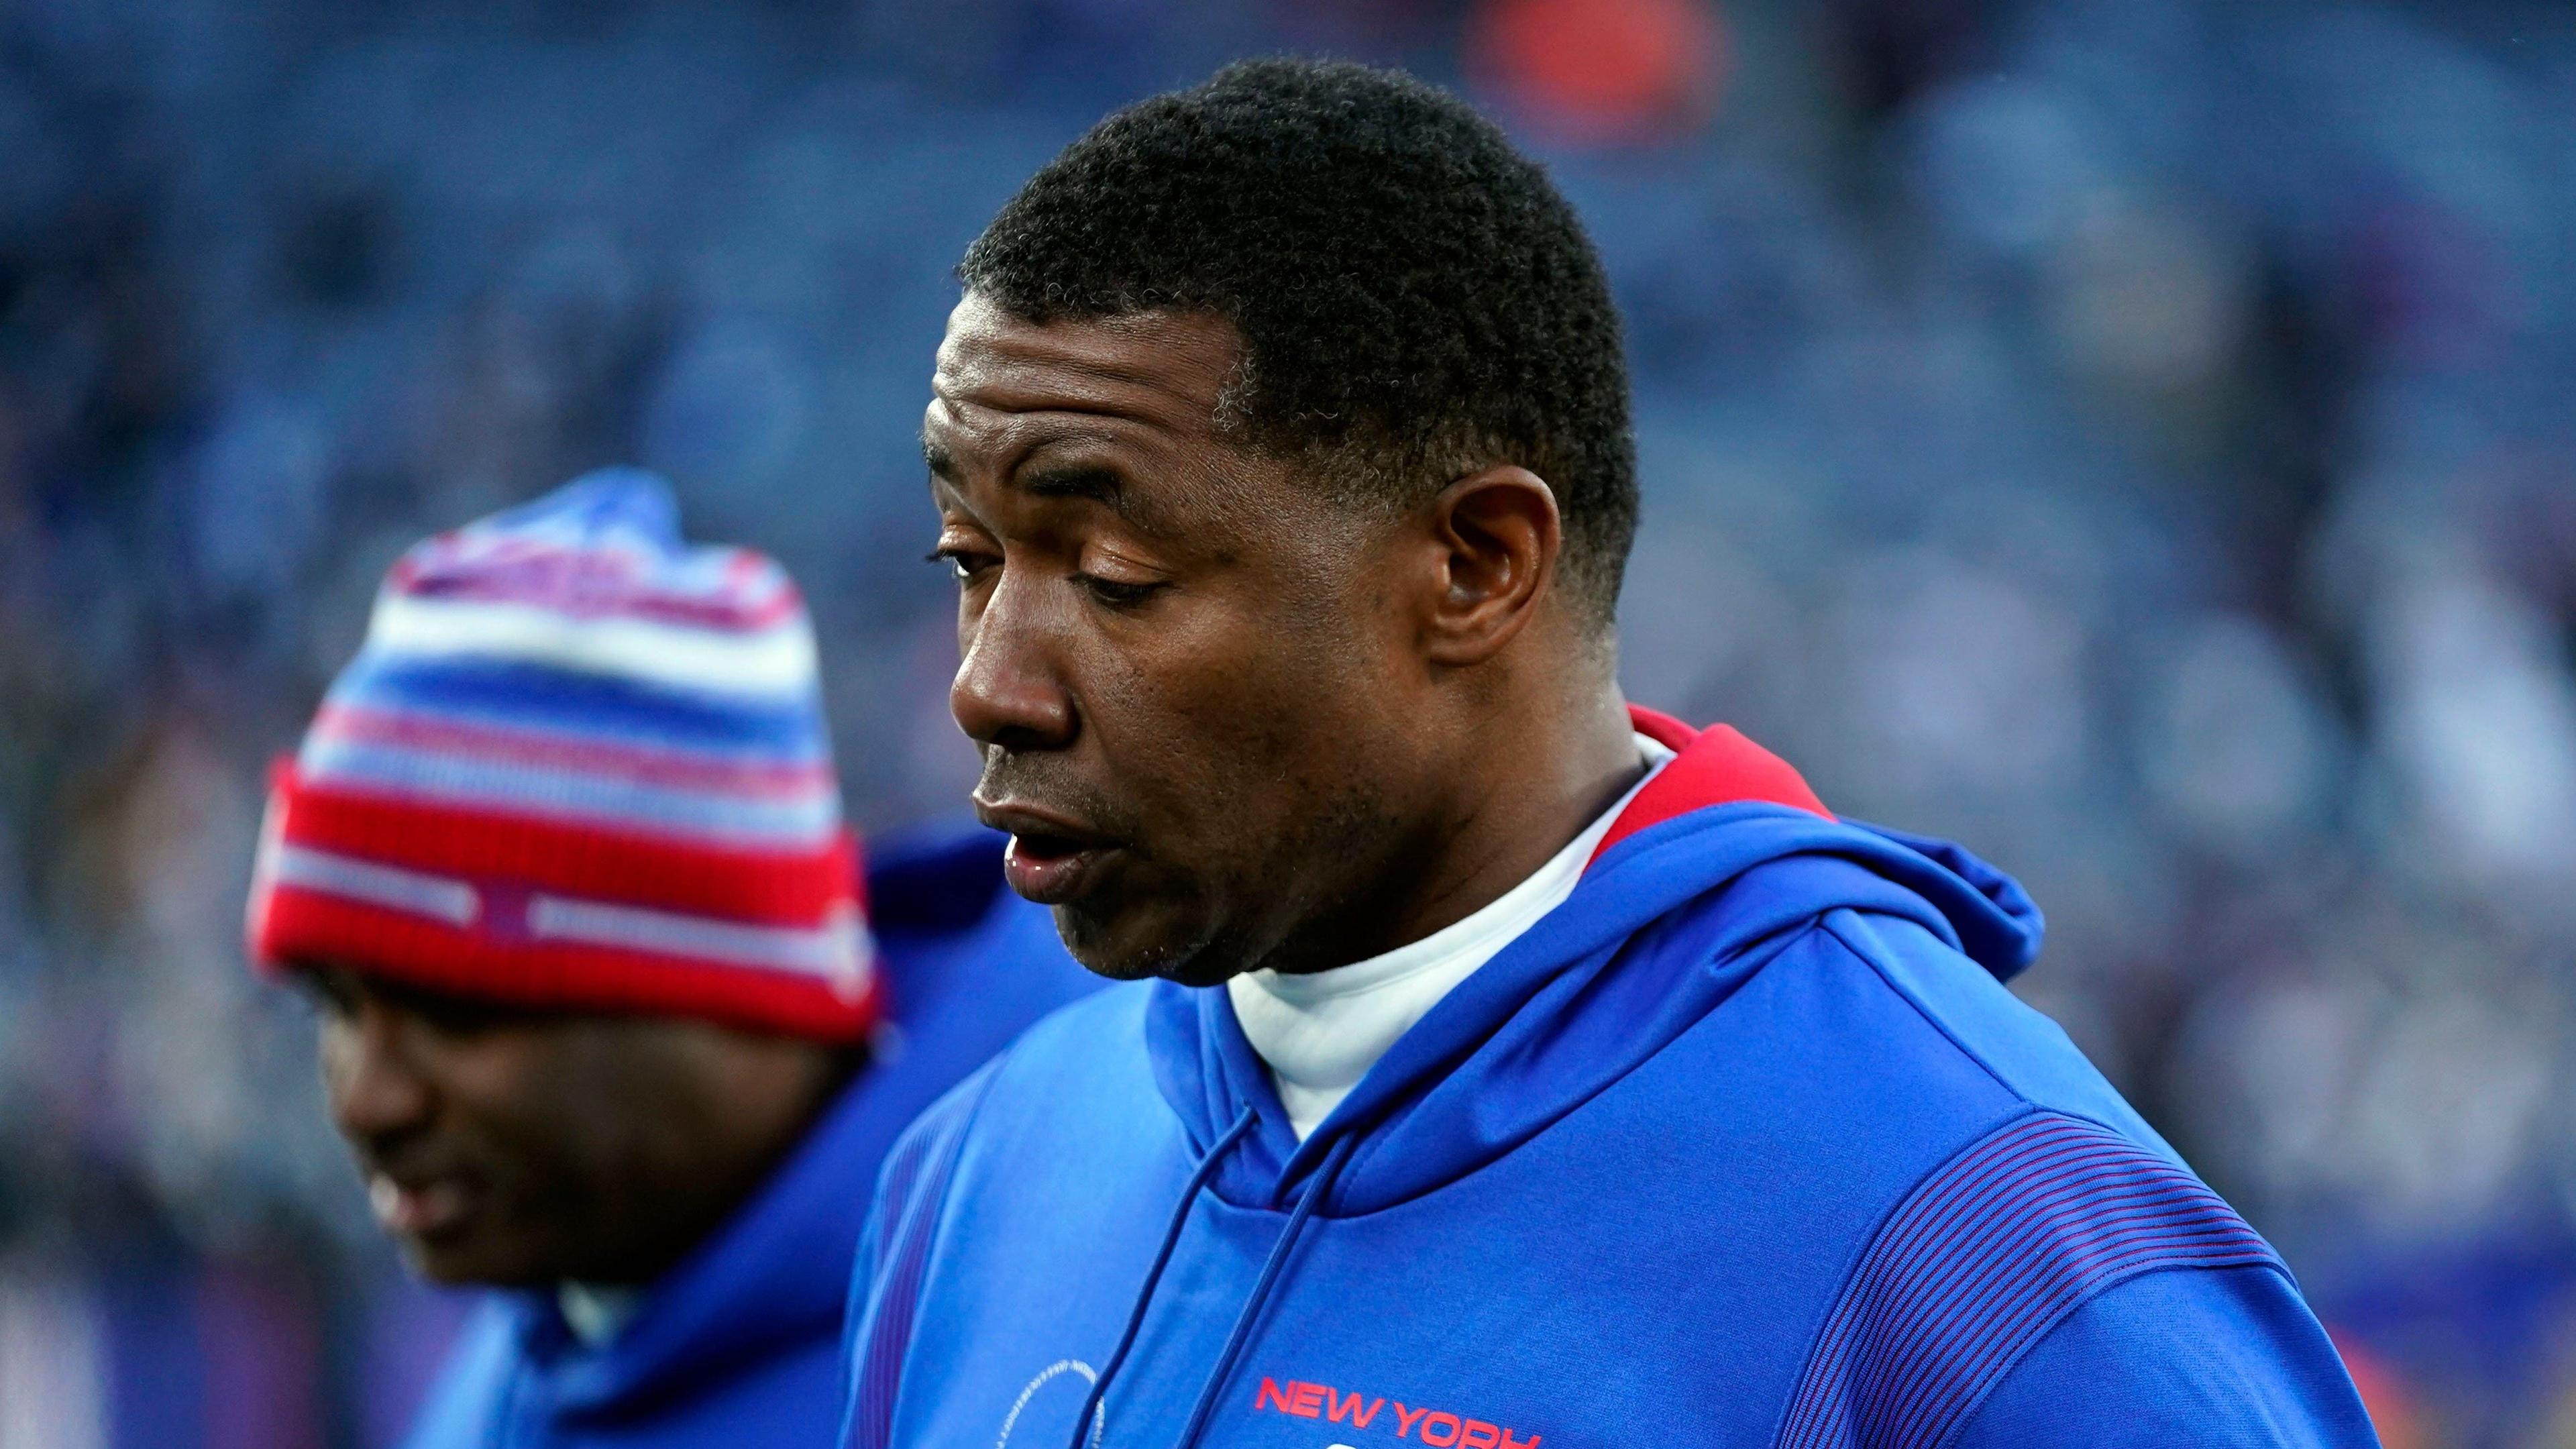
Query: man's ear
[{"x": 1498, "y": 534}]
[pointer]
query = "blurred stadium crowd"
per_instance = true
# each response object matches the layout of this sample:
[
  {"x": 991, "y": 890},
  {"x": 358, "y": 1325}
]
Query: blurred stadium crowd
[{"x": 2129, "y": 436}]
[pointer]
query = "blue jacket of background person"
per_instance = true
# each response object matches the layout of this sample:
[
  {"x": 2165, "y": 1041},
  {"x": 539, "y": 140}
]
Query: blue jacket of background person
[
  {"x": 739, "y": 1343},
  {"x": 1745, "y": 1144}
]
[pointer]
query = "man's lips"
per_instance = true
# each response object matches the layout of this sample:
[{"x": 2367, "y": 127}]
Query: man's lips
[
  {"x": 1053, "y": 859},
  {"x": 420, "y": 1209}
]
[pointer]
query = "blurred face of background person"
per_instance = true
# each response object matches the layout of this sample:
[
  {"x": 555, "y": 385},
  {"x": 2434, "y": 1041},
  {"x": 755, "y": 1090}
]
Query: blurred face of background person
[
  {"x": 514, "y": 1147},
  {"x": 562, "y": 867}
]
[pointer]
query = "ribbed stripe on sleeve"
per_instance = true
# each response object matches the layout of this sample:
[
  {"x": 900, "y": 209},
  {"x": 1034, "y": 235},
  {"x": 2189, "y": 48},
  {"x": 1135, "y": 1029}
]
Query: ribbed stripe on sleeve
[
  {"x": 1986, "y": 1254},
  {"x": 912, "y": 1187}
]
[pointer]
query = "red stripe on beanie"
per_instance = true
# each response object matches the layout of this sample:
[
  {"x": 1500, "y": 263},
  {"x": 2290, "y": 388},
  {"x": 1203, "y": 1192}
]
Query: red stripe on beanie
[
  {"x": 509, "y": 857},
  {"x": 756, "y": 887},
  {"x": 292, "y": 924}
]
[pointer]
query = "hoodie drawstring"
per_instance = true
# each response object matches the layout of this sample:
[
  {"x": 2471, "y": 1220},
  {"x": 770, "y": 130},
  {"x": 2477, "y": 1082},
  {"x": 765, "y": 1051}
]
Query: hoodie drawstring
[
  {"x": 1145, "y": 1294},
  {"x": 1306, "y": 1204}
]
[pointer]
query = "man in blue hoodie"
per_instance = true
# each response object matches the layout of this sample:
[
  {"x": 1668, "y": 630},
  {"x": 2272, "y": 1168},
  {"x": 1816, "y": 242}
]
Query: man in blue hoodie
[
  {"x": 1503, "y": 1066},
  {"x": 603, "y": 1014}
]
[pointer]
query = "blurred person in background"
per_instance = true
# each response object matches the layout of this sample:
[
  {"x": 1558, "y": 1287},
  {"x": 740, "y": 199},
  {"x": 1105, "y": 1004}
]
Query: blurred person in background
[
  {"x": 1501, "y": 1064},
  {"x": 602, "y": 1015}
]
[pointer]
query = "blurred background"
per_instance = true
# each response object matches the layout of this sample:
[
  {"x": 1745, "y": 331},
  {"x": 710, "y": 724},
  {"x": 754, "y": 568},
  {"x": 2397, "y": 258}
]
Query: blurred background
[{"x": 2130, "y": 436}]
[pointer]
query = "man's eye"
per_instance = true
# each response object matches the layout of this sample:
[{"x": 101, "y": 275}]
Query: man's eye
[
  {"x": 1117, "y": 593},
  {"x": 329, "y": 996},
  {"x": 964, "y": 564},
  {"x": 454, "y": 1017}
]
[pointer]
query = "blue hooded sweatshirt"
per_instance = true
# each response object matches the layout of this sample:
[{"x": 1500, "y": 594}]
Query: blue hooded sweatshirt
[
  {"x": 739, "y": 1343},
  {"x": 1744, "y": 1144}
]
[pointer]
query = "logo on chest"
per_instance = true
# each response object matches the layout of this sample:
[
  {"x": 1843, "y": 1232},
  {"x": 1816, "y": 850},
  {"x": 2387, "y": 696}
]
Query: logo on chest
[
  {"x": 1077, "y": 1378},
  {"x": 1438, "y": 1428}
]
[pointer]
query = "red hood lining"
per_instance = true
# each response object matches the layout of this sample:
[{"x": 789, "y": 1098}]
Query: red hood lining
[{"x": 1714, "y": 766}]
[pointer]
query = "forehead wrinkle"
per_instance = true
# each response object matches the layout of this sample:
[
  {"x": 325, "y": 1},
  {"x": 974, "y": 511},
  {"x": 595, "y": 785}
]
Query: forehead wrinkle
[
  {"x": 1017, "y": 463},
  {"x": 1150, "y": 386},
  {"x": 1083, "y": 368},
  {"x": 1036, "y": 397},
  {"x": 1007, "y": 439}
]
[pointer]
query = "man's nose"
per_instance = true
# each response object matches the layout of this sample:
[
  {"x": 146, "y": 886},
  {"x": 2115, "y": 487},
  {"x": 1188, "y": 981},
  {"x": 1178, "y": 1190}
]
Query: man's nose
[
  {"x": 376, "y": 1088},
  {"x": 1010, "y": 689}
]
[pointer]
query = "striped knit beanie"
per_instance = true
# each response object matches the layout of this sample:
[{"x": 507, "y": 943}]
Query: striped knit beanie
[{"x": 578, "y": 764}]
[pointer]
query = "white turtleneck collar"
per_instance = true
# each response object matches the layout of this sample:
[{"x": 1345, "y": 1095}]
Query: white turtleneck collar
[
  {"x": 1321, "y": 1031},
  {"x": 597, "y": 1312}
]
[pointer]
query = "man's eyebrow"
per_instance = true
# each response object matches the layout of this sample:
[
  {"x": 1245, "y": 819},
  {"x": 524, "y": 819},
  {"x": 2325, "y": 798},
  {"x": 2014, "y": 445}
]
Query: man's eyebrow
[
  {"x": 1089, "y": 482},
  {"x": 1097, "y": 484},
  {"x": 1100, "y": 485}
]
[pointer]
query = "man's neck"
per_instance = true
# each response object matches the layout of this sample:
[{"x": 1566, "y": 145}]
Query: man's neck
[
  {"x": 1321, "y": 1032},
  {"x": 1539, "y": 780}
]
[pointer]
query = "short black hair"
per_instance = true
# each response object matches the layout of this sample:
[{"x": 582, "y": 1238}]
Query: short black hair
[{"x": 1415, "y": 297}]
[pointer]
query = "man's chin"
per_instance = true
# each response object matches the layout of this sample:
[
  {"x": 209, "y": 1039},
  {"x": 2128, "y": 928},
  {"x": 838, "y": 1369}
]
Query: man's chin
[
  {"x": 1135, "y": 944},
  {"x": 474, "y": 1264}
]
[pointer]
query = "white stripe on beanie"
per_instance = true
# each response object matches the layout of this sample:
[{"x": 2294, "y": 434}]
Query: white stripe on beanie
[{"x": 776, "y": 661}]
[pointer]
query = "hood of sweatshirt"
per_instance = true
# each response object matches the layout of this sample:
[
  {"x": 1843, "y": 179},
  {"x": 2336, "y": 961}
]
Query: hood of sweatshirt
[{"x": 1720, "y": 861}]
